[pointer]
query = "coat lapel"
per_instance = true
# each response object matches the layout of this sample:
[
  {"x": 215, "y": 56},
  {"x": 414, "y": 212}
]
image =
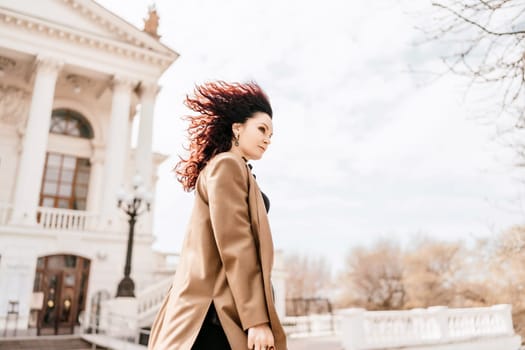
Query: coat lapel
[
  {"x": 260, "y": 226},
  {"x": 262, "y": 234}
]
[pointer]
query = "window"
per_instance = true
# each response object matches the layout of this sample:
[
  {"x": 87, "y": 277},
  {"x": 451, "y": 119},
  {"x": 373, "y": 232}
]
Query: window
[
  {"x": 65, "y": 182},
  {"x": 71, "y": 123}
]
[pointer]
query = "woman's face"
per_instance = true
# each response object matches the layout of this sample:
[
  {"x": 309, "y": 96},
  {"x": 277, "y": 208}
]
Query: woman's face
[{"x": 254, "y": 136}]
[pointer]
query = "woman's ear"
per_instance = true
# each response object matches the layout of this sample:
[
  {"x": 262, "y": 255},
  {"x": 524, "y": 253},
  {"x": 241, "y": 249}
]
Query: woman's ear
[{"x": 236, "y": 128}]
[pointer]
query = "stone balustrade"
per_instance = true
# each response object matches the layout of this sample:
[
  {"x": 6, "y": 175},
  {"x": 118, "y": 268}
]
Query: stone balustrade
[
  {"x": 311, "y": 325},
  {"x": 149, "y": 300},
  {"x": 66, "y": 219},
  {"x": 367, "y": 330},
  {"x": 57, "y": 219}
]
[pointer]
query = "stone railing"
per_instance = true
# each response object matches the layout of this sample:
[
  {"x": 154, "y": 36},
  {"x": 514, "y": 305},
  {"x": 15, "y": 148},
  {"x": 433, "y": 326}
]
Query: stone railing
[
  {"x": 66, "y": 219},
  {"x": 116, "y": 328},
  {"x": 5, "y": 213},
  {"x": 363, "y": 330},
  {"x": 149, "y": 300},
  {"x": 311, "y": 325},
  {"x": 124, "y": 322}
]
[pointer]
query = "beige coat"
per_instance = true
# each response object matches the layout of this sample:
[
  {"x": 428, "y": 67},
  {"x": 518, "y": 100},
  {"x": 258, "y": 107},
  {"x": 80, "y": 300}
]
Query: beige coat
[{"x": 226, "y": 259}]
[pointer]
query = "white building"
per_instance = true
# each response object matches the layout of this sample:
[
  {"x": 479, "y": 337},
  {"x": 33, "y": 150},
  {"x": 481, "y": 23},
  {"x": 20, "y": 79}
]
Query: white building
[{"x": 72, "y": 77}]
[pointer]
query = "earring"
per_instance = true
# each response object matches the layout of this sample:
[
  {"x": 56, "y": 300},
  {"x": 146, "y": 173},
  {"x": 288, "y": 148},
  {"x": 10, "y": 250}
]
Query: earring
[{"x": 237, "y": 140}]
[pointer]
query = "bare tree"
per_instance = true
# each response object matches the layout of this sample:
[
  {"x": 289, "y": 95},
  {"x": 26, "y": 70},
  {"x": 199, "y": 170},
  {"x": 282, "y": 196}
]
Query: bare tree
[
  {"x": 384, "y": 277},
  {"x": 511, "y": 243},
  {"x": 432, "y": 270},
  {"x": 507, "y": 275},
  {"x": 508, "y": 259},
  {"x": 485, "y": 40},
  {"x": 374, "y": 278},
  {"x": 308, "y": 283},
  {"x": 307, "y": 276}
]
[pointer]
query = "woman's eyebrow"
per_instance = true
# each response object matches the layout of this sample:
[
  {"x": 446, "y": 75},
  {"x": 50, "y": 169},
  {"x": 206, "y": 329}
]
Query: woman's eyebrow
[{"x": 266, "y": 125}]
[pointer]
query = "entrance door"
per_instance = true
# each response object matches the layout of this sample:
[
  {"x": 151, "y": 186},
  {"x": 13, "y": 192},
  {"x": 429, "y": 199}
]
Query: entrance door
[{"x": 63, "y": 280}]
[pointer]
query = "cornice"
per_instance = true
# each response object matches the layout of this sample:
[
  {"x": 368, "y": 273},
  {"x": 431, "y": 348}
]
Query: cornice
[
  {"x": 71, "y": 35},
  {"x": 78, "y": 6},
  {"x": 115, "y": 24}
]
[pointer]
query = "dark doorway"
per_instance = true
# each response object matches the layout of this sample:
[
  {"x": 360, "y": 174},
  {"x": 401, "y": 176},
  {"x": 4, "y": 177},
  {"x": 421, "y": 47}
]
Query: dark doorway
[{"x": 63, "y": 279}]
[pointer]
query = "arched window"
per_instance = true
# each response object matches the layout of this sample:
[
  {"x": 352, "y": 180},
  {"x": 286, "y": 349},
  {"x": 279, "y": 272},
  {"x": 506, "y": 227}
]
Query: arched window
[{"x": 71, "y": 123}]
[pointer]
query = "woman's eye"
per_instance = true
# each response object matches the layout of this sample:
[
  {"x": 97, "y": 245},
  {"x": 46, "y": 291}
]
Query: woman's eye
[{"x": 263, "y": 130}]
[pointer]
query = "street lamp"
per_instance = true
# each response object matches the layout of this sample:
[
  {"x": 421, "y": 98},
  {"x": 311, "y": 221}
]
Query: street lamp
[{"x": 133, "y": 204}]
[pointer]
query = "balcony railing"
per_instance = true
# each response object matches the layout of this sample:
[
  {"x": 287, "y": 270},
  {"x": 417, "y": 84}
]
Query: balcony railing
[
  {"x": 56, "y": 218},
  {"x": 66, "y": 219}
]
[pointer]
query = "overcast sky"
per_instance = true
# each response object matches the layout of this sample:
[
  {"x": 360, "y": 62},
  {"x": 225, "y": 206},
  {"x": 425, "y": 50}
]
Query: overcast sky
[{"x": 364, "y": 148}]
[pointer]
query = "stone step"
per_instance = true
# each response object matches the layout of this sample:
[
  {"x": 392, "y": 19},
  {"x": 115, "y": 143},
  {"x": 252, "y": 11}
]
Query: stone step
[{"x": 45, "y": 343}]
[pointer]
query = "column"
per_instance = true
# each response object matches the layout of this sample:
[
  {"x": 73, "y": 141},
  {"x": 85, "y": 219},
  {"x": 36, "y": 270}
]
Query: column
[
  {"x": 34, "y": 145},
  {"x": 95, "y": 178},
  {"x": 116, "y": 147},
  {"x": 143, "y": 155}
]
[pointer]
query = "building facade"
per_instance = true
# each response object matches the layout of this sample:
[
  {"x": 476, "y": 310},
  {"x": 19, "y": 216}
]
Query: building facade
[{"x": 73, "y": 76}]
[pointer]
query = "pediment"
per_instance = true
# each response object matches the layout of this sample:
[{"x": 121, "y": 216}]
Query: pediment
[{"x": 86, "y": 16}]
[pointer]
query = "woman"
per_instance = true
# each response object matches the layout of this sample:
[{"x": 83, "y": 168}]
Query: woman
[{"x": 222, "y": 296}]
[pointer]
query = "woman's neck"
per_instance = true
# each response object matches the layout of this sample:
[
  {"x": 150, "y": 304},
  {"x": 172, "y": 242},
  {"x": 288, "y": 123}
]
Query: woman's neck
[{"x": 238, "y": 152}]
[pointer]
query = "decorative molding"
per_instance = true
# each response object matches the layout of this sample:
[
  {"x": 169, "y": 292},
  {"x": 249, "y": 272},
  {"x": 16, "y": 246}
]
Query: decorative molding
[
  {"x": 139, "y": 53},
  {"x": 14, "y": 105},
  {"x": 6, "y": 64},
  {"x": 78, "y": 83},
  {"x": 12, "y": 67}
]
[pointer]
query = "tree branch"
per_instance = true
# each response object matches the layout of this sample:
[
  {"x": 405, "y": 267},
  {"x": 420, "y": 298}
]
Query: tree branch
[{"x": 474, "y": 23}]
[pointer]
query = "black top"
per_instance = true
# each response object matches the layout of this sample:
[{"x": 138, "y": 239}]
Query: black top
[
  {"x": 265, "y": 197},
  {"x": 266, "y": 201}
]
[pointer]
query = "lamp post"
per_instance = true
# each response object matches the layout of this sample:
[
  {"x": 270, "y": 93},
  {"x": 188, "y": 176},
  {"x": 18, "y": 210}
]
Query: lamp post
[{"x": 133, "y": 204}]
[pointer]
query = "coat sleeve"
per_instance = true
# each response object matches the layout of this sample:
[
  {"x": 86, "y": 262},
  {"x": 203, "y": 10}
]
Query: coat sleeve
[{"x": 227, "y": 187}]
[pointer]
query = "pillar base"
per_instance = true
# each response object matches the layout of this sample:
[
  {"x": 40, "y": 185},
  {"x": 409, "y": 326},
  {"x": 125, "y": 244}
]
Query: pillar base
[{"x": 126, "y": 288}]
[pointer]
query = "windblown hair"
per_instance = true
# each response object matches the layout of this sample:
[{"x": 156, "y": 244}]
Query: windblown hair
[{"x": 219, "y": 104}]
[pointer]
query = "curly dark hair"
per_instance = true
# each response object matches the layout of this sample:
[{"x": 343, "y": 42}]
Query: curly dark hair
[{"x": 219, "y": 105}]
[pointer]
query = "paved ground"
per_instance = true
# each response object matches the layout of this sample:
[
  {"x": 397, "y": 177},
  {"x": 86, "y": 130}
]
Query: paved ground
[
  {"x": 46, "y": 343},
  {"x": 324, "y": 343},
  {"x": 72, "y": 342}
]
